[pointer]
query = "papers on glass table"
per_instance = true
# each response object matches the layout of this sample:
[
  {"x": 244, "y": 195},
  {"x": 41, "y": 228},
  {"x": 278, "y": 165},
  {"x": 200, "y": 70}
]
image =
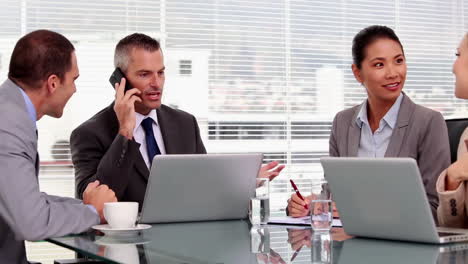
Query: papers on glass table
[{"x": 287, "y": 220}]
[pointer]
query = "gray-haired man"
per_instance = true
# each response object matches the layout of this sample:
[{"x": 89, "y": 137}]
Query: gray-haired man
[{"x": 116, "y": 146}]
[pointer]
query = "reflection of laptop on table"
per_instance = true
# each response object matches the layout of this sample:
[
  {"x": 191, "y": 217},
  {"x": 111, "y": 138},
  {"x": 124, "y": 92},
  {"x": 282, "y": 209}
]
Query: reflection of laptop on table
[
  {"x": 200, "y": 187},
  {"x": 360, "y": 250},
  {"x": 213, "y": 242},
  {"x": 384, "y": 198}
]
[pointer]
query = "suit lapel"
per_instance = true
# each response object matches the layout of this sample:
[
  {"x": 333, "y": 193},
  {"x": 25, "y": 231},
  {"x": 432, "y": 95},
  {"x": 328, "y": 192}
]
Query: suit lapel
[
  {"x": 36, "y": 165},
  {"x": 354, "y": 135},
  {"x": 399, "y": 132},
  {"x": 141, "y": 167},
  {"x": 140, "y": 164},
  {"x": 14, "y": 94},
  {"x": 165, "y": 127}
]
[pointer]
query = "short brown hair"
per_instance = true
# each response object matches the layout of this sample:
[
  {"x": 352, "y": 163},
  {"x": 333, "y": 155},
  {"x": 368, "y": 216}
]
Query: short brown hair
[
  {"x": 38, "y": 55},
  {"x": 127, "y": 44}
]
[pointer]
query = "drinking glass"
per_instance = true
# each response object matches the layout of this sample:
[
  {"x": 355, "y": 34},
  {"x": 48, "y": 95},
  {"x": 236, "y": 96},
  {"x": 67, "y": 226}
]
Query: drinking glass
[
  {"x": 259, "y": 207},
  {"x": 321, "y": 211}
]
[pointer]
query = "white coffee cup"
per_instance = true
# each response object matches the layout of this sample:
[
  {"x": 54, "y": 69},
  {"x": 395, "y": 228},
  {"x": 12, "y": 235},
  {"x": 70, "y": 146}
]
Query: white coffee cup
[{"x": 121, "y": 214}]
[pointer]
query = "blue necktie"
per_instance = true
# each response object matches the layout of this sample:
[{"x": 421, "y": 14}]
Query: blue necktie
[{"x": 151, "y": 145}]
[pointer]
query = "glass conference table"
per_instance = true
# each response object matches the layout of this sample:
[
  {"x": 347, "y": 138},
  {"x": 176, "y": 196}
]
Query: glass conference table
[{"x": 238, "y": 242}]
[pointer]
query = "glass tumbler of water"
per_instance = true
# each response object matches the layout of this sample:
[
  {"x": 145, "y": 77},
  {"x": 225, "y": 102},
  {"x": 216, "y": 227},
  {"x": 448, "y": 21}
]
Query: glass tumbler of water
[
  {"x": 321, "y": 249},
  {"x": 259, "y": 207},
  {"x": 321, "y": 210}
]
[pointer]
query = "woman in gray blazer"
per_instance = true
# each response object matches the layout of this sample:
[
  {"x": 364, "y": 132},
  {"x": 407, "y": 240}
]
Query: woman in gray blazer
[
  {"x": 387, "y": 123},
  {"x": 451, "y": 185}
]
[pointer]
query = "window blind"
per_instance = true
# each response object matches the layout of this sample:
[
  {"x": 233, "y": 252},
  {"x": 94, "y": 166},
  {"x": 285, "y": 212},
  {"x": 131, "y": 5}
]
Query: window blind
[{"x": 263, "y": 76}]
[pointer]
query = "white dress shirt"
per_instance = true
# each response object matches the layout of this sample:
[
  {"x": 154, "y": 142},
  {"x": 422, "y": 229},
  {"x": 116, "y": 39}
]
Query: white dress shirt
[
  {"x": 139, "y": 135},
  {"x": 375, "y": 144}
]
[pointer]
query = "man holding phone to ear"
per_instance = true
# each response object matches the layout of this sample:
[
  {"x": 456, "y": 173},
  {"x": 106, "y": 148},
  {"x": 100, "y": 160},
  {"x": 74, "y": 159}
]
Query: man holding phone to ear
[{"x": 117, "y": 145}]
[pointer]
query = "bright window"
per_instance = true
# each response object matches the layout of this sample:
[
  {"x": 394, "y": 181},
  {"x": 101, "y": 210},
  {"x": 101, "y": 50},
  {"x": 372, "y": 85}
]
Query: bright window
[{"x": 263, "y": 76}]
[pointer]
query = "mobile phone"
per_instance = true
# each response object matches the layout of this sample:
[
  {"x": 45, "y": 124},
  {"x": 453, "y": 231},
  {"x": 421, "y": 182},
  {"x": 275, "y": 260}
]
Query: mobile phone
[{"x": 116, "y": 76}]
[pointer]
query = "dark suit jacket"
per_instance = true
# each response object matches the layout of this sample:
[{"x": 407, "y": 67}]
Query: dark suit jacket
[
  {"x": 420, "y": 133},
  {"x": 100, "y": 153}
]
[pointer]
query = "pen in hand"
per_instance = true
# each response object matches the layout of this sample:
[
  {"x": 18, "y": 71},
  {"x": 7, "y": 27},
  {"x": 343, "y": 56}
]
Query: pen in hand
[
  {"x": 298, "y": 193},
  {"x": 295, "y": 253}
]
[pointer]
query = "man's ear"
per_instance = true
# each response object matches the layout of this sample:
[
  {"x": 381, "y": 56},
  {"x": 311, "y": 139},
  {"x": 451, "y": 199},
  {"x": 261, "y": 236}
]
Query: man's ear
[
  {"x": 357, "y": 73},
  {"x": 53, "y": 82}
]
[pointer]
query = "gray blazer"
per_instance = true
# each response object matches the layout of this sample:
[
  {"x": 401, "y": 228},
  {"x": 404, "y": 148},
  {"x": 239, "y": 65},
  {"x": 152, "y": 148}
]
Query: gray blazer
[
  {"x": 420, "y": 133},
  {"x": 99, "y": 152},
  {"x": 25, "y": 212}
]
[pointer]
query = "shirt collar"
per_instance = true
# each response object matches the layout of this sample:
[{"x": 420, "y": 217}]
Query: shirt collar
[
  {"x": 139, "y": 118},
  {"x": 390, "y": 117},
  {"x": 362, "y": 115},
  {"x": 29, "y": 106}
]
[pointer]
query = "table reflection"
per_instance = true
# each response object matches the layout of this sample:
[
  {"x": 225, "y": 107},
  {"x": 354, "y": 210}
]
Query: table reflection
[
  {"x": 360, "y": 250},
  {"x": 238, "y": 242},
  {"x": 121, "y": 249}
]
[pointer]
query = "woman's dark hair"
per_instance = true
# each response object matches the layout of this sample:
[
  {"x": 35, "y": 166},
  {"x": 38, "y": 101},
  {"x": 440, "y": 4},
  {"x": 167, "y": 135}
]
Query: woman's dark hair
[{"x": 368, "y": 36}]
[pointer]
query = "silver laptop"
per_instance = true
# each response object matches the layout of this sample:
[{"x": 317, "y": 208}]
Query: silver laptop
[
  {"x": 203, "y": 187},
  {"x": 384, "y": 198}
]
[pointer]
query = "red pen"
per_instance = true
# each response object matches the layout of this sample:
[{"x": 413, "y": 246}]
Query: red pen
[
  {"x": 295, "y": 253},
  {"x": 297, "y": 192}
]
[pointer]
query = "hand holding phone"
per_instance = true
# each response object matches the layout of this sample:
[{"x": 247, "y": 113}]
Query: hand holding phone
[
  {"x": 116, "y": 76},
  {"x": 124, "y": 104}
]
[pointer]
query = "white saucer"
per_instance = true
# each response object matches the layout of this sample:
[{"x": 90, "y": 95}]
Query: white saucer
[{"x": 132, "y": 231}]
